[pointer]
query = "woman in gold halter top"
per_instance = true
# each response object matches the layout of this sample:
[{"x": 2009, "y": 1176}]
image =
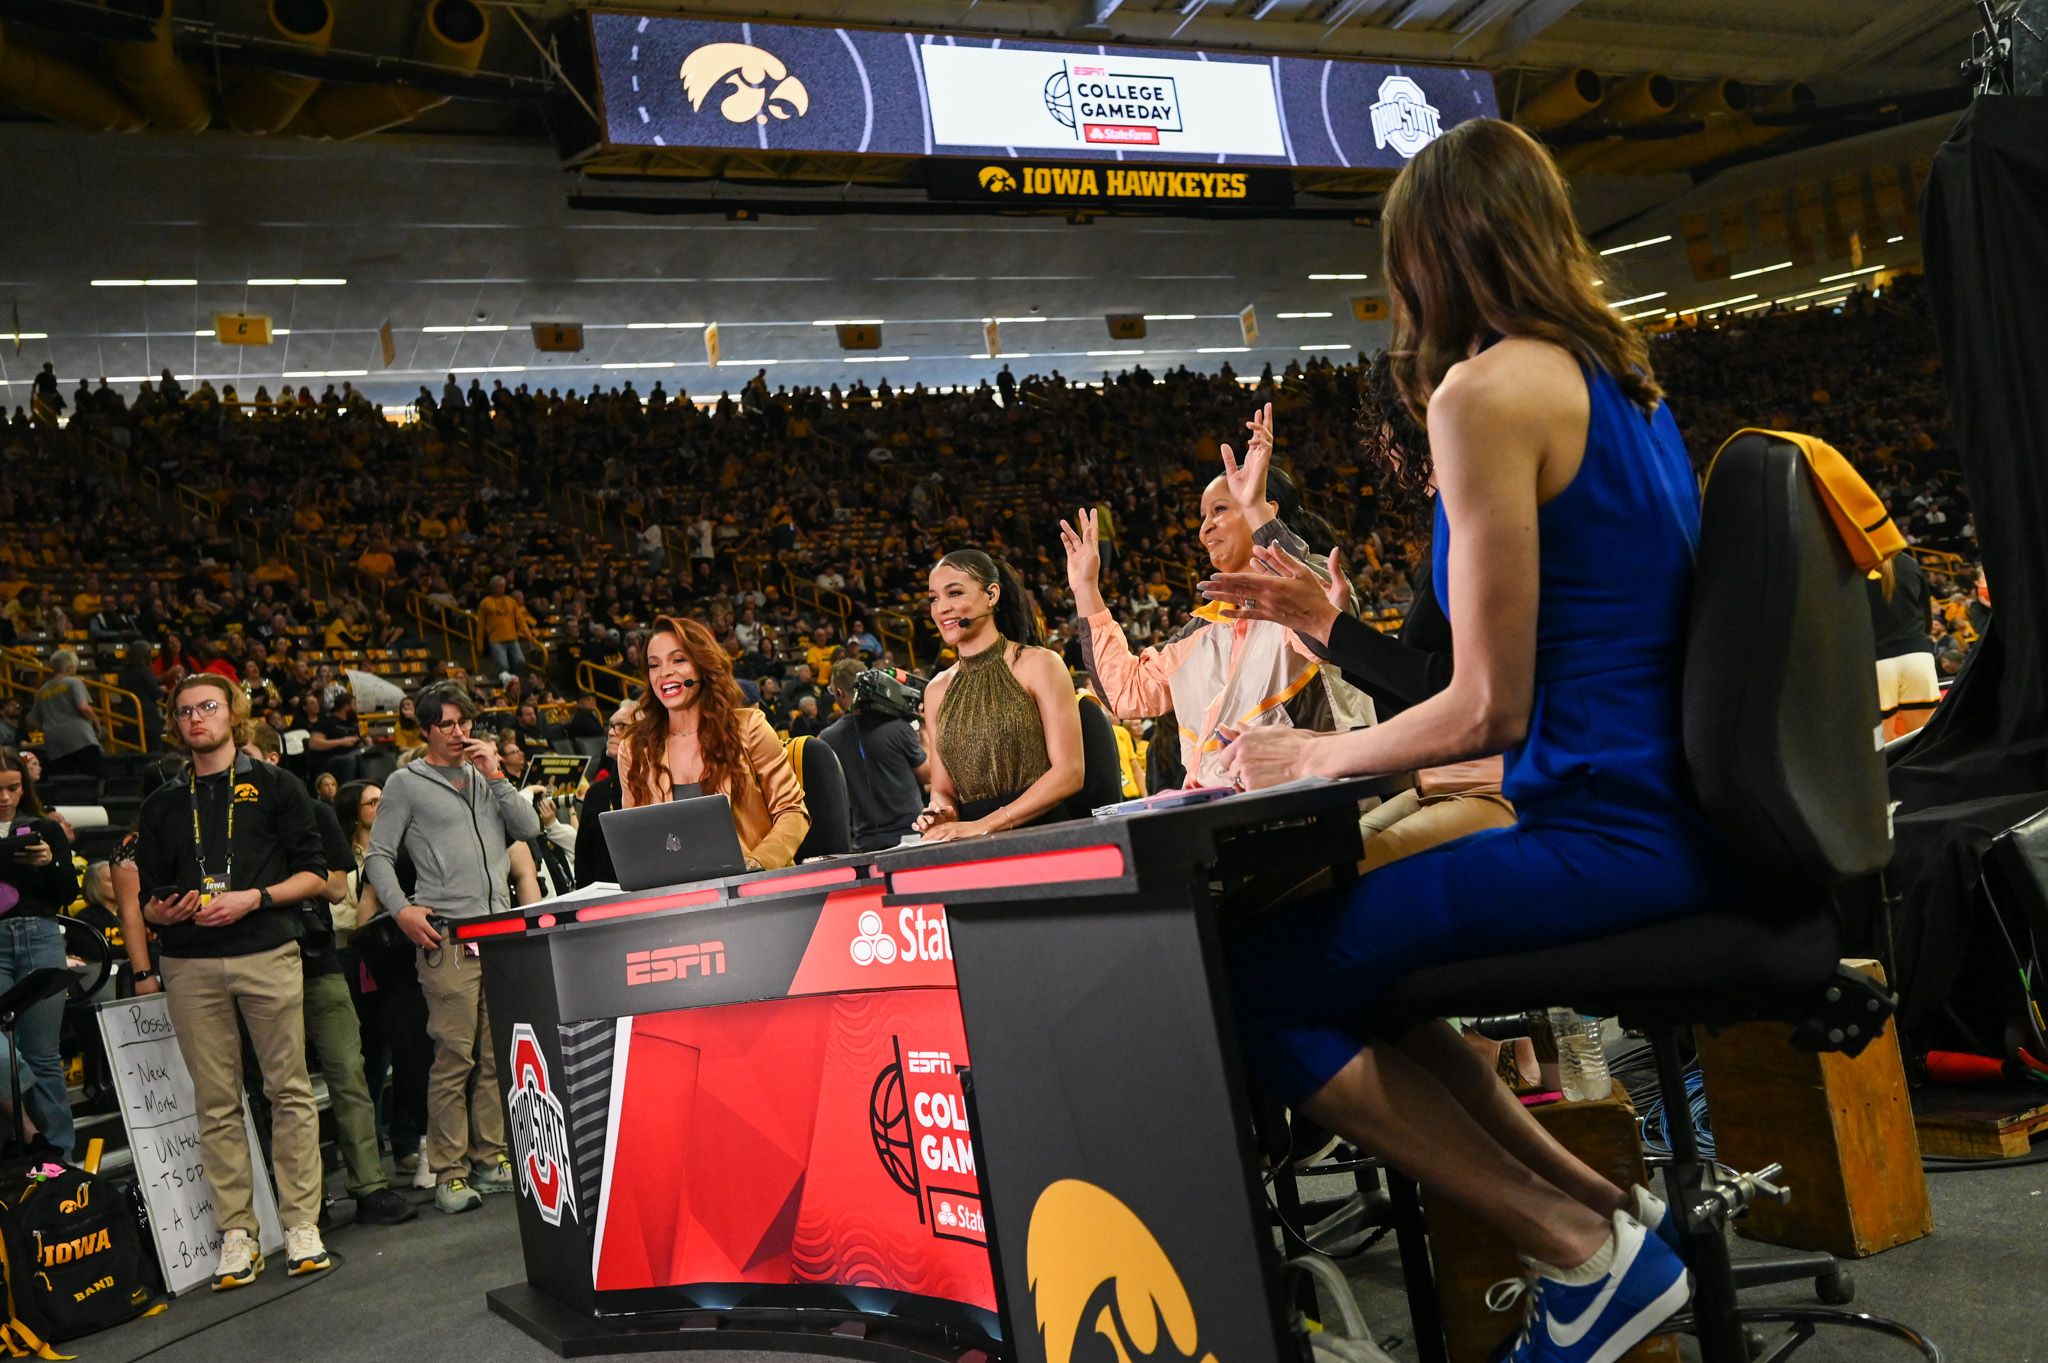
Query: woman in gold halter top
[{"x": 1002, "y": 725}]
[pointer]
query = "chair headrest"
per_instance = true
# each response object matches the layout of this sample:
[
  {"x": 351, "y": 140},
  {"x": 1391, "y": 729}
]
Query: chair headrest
[{"x": 1781, "y": 708}]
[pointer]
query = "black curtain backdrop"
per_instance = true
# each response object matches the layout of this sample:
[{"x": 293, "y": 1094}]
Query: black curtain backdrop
[{"x": 1981, "y": 764}]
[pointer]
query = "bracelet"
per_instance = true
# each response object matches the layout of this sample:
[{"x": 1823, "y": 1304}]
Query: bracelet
[
  {"x": 142, "y": 976},
  {"x": 263, "y": 899}
]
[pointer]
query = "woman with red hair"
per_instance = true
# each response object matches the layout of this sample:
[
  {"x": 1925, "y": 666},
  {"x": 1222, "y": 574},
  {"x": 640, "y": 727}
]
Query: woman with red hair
[{"x": 695, "y": 735}]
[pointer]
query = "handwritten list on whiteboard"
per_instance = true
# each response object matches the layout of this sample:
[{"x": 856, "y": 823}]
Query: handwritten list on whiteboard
[{"x": 161, "y": 1115}]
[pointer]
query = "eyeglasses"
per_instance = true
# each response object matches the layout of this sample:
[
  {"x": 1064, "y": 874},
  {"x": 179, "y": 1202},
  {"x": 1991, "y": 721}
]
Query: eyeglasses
[
  {"x": 209, "y": 708},
  {"x": 617, "y": 726},
  {"x": 459, "y": 722}
]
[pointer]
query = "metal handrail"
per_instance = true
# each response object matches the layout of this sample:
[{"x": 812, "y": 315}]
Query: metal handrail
[
  {"x": 896, "y": 629},
  {"x": 456, "y": 626},
  {"x": 608, "y": 684},
  {"x": 124, "y": 731}
]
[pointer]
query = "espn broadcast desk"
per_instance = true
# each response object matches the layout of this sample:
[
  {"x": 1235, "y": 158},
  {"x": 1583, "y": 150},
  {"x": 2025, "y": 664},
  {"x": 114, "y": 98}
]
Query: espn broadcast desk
[{"x": 740, "y": 1110}]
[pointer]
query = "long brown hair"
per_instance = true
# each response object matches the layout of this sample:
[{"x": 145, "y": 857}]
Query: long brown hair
[
  {"x": 31, "y": 803},
  {"x": 1479, "y": 239},
  {"x": 718, "y": 724}
]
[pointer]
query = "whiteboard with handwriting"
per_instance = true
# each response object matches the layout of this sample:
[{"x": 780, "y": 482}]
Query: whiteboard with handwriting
[{"x": 162, "y": 1119}]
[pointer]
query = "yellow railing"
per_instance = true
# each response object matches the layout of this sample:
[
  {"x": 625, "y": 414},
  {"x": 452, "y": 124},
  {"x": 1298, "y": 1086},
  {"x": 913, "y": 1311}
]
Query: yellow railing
[
  {"x": 499, "y": 463},
  {"x": 461, "y": 635},
  {"x": 611, "y": 686},
  {"x": 898, "y": 633},
  {"x": 1939, "y": 560},
  {"x": 804, "y": 593},
  {"x": 22, "y": 673},
  {"x": 586, "y": 510}
]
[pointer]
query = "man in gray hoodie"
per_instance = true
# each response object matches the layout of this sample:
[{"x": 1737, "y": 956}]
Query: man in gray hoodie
[{"x": 453, "y": 814}]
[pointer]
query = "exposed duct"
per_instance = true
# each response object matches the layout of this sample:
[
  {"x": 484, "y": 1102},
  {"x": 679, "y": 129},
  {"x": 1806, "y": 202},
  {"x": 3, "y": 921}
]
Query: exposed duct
[
  {"x": 1571, "y": 95},
  {"x": 56, "y": 89},
  {"x": 168, "y": 90},
  {"x": 452, "y": 34},
  {"x": 1635, "y": 99},
  {"x": 263, "y": 101},
  {"x": 1722, "y": 138}
]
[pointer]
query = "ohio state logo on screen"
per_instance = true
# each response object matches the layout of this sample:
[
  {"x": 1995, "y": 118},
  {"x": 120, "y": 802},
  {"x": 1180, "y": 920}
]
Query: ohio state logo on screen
[
  {"x": 1404, "y": 119},
  {"x": 540, "y": 1135}
]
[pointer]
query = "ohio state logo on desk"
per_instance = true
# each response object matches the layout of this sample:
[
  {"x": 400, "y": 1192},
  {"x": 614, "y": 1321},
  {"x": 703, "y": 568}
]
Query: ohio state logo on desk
[{"x": 540, "y": 1135}]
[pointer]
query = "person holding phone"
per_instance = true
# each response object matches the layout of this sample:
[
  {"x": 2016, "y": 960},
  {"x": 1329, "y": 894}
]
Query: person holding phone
[
  {"x": 36, "y": 882},
  {"x": 454, "y": 815},
  {"x": 230, "y": 851}
]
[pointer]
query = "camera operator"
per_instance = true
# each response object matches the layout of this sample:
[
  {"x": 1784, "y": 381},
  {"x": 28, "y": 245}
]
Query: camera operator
[
  {"x": 229, "y": 853},
  {"x": 453, "y": 814},
  {"x": 884, "y": 761}
]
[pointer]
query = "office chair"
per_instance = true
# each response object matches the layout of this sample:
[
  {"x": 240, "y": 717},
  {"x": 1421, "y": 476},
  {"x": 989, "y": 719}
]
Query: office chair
[{"x": 1779, "y": 696}]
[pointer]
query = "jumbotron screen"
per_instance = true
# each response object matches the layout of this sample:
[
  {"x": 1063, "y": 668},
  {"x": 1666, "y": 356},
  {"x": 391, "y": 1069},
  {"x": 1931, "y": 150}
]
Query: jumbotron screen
[{"x": 668, "y": 81}]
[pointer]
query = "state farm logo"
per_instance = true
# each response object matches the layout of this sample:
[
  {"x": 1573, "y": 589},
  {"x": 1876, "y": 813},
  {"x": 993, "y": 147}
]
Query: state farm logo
[
  {"x": 921, "y": 935},
  {"x": 873, "y": 944},
  {"x": 1404, "y": 118},
  {"x": 662, "y": 964},
  {"x": 540, "y": 1135},
  {"x": 761, "y": 84}
]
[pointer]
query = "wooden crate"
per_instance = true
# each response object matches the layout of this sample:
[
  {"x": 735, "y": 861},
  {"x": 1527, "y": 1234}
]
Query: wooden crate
[
  {"x": 1469, "y": 1257},
  {"x": 1842, "y": 1128},
  {"x": 1997, "y": 1121}
]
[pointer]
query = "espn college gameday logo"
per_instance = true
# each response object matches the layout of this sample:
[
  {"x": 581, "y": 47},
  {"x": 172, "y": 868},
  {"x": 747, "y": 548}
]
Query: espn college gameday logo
[{"x": 540, "y": 1134}]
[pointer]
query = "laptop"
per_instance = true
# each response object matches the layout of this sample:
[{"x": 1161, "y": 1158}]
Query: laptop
[{"x": 674, "y": 843}]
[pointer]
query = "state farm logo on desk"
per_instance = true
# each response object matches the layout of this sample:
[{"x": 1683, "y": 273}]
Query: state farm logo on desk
[
  {"x": 859, "y": 943},
  {"x": 659, "y": 965},
  {"x": 540, "y": 1133}
]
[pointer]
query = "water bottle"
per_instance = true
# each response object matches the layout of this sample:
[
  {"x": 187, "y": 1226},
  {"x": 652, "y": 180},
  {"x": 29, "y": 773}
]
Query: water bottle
[{"x": 1581, "y": 1063}]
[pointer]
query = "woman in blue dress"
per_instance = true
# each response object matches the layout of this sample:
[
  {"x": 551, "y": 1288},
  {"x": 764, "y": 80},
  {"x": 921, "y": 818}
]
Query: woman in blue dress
[{"x": 1567, "y": 516}]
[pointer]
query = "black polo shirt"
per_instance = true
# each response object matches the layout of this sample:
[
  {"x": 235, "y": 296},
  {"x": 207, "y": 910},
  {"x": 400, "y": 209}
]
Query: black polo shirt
[{"x": 275, "y": 839}]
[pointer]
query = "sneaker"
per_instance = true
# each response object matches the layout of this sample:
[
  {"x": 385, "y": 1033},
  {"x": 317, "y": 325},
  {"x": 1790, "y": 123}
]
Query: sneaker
[
  {"x": 1597, "y": 1322},
  {"x": 493, "y": 1178},
  {"x": 408, "y": 1163},
  {"x": 303, "y": 1252},
  {"x": 240, "y": 1261},
  {"x": 423, "y": 1177},
  {"x": 382, "y": 1207},
  {"x": 457, "y": 1196},
  {"x": 1651, "y": 1210}
]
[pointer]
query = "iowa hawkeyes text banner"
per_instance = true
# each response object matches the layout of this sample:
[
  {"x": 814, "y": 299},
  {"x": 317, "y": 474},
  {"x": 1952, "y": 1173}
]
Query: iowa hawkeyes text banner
[
  {"x": 677, "y": 81},
  {"x": 1014, "y": 184}
]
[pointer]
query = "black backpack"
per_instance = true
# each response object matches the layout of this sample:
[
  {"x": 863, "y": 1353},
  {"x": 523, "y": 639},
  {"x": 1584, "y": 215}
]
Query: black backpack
[{"x": 73, "y": 1254}]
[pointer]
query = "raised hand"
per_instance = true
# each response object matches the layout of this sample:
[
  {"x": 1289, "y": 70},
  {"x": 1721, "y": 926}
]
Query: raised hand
[
  {"x": 1084, "y": 560},
  {"x": 1247, "y": 479}
]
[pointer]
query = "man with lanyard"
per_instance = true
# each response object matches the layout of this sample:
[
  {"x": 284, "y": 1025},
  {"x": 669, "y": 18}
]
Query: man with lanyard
[
  {"x": 227, "y": 855},
  {"x": 454, "y": 815}
]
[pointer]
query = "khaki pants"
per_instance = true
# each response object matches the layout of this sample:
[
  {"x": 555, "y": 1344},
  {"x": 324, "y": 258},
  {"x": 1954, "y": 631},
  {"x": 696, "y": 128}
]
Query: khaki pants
[
  {"x": 338, "y": 1043},
  {"x": 465, "y": 1119},
  {"x": 1409, "y": 823},
  {"x": 268, "y": 989}
]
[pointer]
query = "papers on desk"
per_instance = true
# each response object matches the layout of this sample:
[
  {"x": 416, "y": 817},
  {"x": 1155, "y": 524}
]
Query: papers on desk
[{"x": 1195, "y": 795}]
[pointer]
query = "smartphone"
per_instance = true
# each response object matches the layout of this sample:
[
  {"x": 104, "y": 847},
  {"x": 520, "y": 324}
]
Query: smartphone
[
  {"x": 163, "y": 892},
  {"x": 19, "y": 840}
]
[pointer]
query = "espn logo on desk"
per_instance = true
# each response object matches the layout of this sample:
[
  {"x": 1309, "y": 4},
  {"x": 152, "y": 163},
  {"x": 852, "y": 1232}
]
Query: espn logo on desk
[{"x": 660, "y": 965}]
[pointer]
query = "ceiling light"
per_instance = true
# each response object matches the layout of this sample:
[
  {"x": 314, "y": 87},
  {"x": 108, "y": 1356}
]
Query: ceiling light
[
  {"x": 487, "y": 369},
  {"x": 1176, "y": 316},
  {"x": 1636, "y": 245},
  {"x": 742, "y": 364},
  {"x": 1331, "y": 345},
  {"x": 1641, "y": 298},
  {"x": 1298, "y": 316},
  {"x": 145, "y": 283},
  {"x": 1893, "y": 241},
  {"x": 1766, "y": 269},
  {"x": 1638, "y": 316},
  {"x": 275, "y": 331},
  {"x": 20, "y": 336},
  {"x": 665, "y": 326},
  {"x": 1098, "y": 354},
  {"x": 1338, "y": 276},
  {"x": 492, "y": 327},
  {"x": 1221, "y": 349},
  {"x": 1007, "y": 320},
  {"x": 849, "y": 322},
  {"x": 289, "y": 283},
  {"x": 642, "y": 364},
  {"x": 1867, "y": 269},
  {"x": 1711, "y": 307},
  {"x": 1006, "y": 355},
  {"x": 325, "y": 373},
  {"x": 1752, "y": 307},
  {"x": 877, "y": 359},
  {"x": 1810, "y": 293},
  {"x": 1831, "y": 302}
]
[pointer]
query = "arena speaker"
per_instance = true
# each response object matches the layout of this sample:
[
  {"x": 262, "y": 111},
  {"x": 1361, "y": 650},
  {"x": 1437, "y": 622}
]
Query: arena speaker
[
  {"x": 860, "y": 335},
  {"x": 1126, "y": 326}
]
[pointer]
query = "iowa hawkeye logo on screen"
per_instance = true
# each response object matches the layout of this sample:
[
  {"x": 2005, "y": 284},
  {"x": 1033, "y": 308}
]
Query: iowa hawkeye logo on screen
[{"x": 1115, "y": 182}]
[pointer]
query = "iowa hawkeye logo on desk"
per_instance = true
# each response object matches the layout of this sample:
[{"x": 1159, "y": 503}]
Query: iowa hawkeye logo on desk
[{"x": 1103, "y": 1288}]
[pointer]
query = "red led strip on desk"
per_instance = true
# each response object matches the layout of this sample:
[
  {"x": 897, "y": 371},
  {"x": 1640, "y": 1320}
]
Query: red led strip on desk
[
  {"x": 597, "y": 913},
  {"x": 469, "y": 932},
  {"x": 831, "y": 875},
  {"x": 1035, "y": 868}
]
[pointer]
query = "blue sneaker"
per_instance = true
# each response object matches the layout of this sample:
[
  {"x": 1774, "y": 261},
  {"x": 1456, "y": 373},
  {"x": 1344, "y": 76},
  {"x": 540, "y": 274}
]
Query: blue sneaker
[
  {"x": 1600, "y": 1321},
  {"x": 1651, "y": 1210}
]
